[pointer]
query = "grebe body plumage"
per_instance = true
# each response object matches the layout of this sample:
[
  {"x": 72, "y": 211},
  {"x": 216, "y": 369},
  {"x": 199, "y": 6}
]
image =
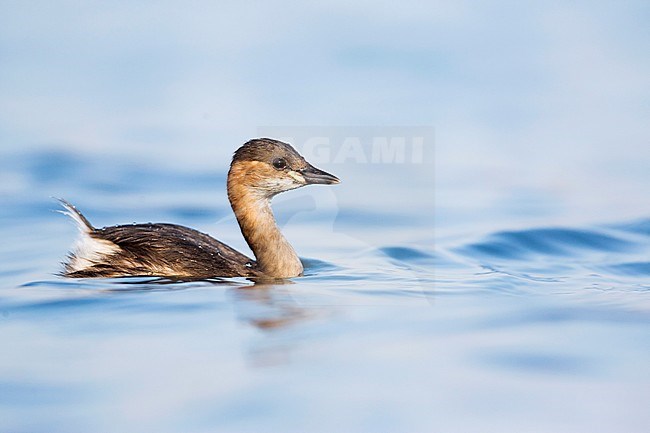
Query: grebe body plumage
[{"x": 260, "y": 169}]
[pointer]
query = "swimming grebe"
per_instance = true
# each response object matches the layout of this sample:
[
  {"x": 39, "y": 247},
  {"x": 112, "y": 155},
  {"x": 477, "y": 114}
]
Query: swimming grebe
[{"x": 260, "y": 169}]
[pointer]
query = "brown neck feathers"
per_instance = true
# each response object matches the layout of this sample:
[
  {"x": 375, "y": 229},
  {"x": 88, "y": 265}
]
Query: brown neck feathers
[{"x": 252, "y": 207}]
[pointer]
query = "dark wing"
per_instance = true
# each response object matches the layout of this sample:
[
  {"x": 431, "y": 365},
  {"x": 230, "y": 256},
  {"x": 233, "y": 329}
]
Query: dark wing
[{"x": 168, "y": 250}]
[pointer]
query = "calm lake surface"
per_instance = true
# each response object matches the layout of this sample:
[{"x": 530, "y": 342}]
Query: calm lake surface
[
  {"x": 495, "y": 279},
  {"x": 533, "y": 329}
]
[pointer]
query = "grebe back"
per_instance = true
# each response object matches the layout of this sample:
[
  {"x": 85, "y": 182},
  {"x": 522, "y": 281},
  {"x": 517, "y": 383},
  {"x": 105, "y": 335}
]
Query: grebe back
[{"x": 260, "y": 169}]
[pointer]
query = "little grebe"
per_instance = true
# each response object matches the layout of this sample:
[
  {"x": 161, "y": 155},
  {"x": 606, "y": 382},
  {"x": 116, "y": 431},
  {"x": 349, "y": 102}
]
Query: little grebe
[{"x": 260, "y": 169}]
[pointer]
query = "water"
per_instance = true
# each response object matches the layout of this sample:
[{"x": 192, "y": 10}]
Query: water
[
  {"x": 538, "y": 329},
  {"x": 499, "y": 284}
]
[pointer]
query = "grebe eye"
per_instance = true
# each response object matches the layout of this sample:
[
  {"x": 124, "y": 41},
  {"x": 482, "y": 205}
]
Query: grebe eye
[{"x": 279, "y": 163}]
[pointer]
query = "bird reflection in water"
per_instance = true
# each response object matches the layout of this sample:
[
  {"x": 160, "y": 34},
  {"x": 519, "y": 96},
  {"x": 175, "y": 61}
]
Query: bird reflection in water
[
  {"x": 271, "y": 308},
  {"x": 266, "y": 305}
]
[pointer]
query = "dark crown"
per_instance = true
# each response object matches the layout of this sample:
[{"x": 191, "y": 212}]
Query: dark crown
[{"x": 266, "y": 150}]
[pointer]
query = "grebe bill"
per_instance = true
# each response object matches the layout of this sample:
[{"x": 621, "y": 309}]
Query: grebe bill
[{"x": 260, "y": 169}]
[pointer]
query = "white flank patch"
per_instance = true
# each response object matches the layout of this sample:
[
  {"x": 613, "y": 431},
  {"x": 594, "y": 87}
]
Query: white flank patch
[{"x": 89, "y": 251}]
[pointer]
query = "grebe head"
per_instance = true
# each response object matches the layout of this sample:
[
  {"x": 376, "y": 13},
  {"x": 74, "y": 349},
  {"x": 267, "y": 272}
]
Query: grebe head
[{"x": 268, "y": 167}]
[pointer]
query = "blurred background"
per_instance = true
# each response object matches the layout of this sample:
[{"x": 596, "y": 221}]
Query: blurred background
[
  {"x": 544, "y": 99},
  {"x": 497, "y": 283}
]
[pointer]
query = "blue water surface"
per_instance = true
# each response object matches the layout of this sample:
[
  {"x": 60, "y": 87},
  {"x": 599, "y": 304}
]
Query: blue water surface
[
  {"x": 538, "y": 329},
  {"x": 499, "y": 282}
]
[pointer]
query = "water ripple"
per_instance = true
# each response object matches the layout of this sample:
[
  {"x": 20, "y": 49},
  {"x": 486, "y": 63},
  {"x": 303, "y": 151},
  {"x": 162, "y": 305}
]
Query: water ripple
[
  {"x": 631, "y": 269},
  {"x": 641, "y": 227},
  {"x": 406, "y": 254},
  {"x": 520, "y": 245}
]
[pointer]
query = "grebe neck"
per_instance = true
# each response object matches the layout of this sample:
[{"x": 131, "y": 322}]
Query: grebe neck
[{"x": 275, "y": 256}]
